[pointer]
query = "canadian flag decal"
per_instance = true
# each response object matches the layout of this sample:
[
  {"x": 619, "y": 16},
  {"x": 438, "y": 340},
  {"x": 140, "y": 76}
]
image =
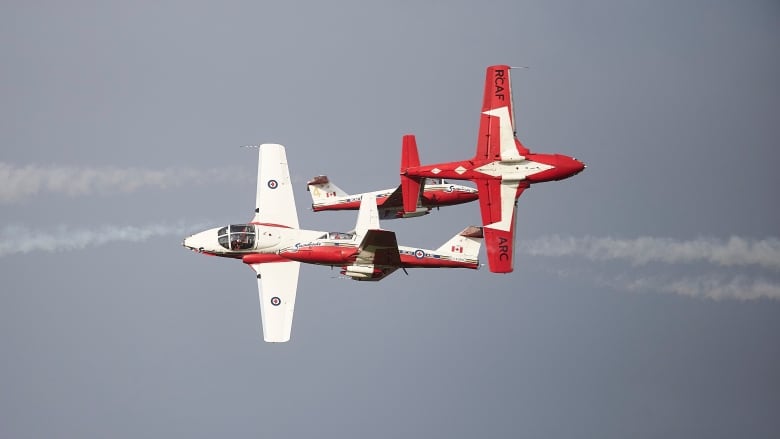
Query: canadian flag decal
[{"x": 457, "y": 249}]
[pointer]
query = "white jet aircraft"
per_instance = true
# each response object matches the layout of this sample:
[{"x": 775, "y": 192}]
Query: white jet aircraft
[
  {"x": 434, "y": 193},
  {"x": 274, "y": 246}
]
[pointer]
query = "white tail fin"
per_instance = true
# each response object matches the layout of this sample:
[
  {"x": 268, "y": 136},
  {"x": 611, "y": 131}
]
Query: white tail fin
[
  {"x": 465, "y": 244},
  {"x": 368, "y": 216},
  {"x": 321, "y": 189}
]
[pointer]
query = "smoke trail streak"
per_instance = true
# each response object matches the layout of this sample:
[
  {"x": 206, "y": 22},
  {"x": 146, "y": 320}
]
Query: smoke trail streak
[
  {"x": 15, "y": 240},
  {"x": 714, "y": 286},
  {"x": 18, "y": 183},
  {"x": 711, "y": 286},
  {"x": 735, "y": 251}
]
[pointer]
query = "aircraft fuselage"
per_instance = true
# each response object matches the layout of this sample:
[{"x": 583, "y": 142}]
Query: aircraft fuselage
[
  {"x": 434, "y": 195},
  {"x": 533, "y": 168},
  {"x": 338, "y": 254}
]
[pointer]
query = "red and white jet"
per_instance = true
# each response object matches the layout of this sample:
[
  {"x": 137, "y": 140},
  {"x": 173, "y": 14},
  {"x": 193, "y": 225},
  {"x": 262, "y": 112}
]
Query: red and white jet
[
  {"x": 502, "y": 169},
  {"x": 274, "y": 246},
  {"x": 434, "y": 193}
]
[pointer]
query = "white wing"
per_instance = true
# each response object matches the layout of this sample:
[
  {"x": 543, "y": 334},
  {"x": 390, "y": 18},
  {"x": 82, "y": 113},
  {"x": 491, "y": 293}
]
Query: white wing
[
  {"x": 277, "y": 283},
  {"x": 275, "y": 203},
  {"x": 368, "y": 216}
]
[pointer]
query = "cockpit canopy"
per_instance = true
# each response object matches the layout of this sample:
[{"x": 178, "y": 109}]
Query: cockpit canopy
[
  {"x": 237, "y": 236},
  {"x": 337, "y": 236}
]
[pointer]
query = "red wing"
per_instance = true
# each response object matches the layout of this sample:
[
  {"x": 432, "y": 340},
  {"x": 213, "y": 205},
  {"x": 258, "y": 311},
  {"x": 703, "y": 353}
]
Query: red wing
[
  {"x": 497, "y": 100},
  {"x": 489, "y": 191},
  {"x": 497, "y": 202},
  {"x": 500, "y": 249}
]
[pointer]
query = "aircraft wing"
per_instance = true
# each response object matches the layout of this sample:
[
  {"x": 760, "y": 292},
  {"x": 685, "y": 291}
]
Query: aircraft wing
[
  {"x": 496, "y": 139},
  {"x": 497, "y": 203},
  {"x": 277, "y": 283},
  {"x": 379, "y": 249},
  {"x": 275, "y": 203},
  {"x": 396, "y": 199}
]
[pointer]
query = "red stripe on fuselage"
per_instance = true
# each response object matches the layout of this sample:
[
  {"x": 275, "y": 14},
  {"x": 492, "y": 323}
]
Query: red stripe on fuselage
[
  {"x": 260, "y": 258},
  {"x": 322, "y": 254},
  {"x": 411, "y": 261}
]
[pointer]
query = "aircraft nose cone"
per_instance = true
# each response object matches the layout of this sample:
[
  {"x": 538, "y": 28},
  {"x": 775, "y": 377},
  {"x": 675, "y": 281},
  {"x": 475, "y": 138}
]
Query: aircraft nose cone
[
  {"x": 559, "y": 167},
  {"x": 188, "y": 243},
  {"x": 569, "y": 166},
  {"x": 200, "y": 242},
  {"x": 577, "y": 166}
]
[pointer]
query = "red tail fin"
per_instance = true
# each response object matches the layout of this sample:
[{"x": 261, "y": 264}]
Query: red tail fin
[
  {"x": 410, "y": 186},
  {"x": 410, "y": 158}
]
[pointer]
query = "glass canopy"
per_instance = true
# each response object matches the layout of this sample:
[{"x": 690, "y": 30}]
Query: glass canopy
[{"x": 237, "y": 236}]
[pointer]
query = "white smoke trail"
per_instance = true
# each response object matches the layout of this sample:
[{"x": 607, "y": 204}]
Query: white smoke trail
[
  {"x": 20, "y": 182},
  {"x": 735, "y": 251},
  {"x": 715, "y": 286},
  {"x": 15, "y": 240}
]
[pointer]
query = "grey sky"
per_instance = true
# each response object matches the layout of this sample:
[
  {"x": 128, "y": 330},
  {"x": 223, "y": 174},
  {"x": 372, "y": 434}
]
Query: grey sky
[{"x": 124, "y": 117}]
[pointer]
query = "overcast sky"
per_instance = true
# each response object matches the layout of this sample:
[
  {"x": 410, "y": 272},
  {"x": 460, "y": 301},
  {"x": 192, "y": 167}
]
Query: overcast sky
[{"x": 645, "y": 300}]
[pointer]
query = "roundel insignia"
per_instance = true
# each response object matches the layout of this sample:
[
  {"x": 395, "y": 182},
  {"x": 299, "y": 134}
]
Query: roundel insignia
[
  {"x": 273, "y": 184},
  {"x": 419, "y": 254},
  {"x": 275, "y": 301}
]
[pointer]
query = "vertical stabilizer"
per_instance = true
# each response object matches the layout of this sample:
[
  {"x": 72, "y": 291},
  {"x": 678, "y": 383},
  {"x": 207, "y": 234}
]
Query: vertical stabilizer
[
  {"x": 323, "y": 190},
  {"x": 465, "y": 244},
  {"x": 410, "y": 186}
]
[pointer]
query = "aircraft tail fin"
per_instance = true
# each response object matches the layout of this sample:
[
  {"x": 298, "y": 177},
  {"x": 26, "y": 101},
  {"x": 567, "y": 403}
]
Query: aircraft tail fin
[
  {"x": 321, "y": 188},
  {"x": 465, "y": 244},
  {"x": 410, "y": 186},
  {"x": 368, "y": 216}
]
